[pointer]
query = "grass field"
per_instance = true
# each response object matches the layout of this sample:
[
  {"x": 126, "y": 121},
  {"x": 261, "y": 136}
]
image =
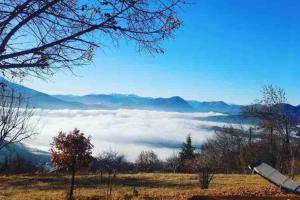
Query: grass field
[{"x": 149, "y": 186}]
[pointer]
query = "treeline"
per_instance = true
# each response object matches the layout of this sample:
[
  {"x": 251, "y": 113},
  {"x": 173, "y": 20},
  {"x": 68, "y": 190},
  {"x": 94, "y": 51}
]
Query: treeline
[
  {"x": 113, "y": 162},
  {"x": 147, "y": 161},
  {"x": 18, "y": 165},
  {"x": 274, "y": 140}
]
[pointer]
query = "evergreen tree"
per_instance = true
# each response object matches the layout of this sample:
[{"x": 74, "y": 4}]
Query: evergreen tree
[{"x": 187, "y": 149}]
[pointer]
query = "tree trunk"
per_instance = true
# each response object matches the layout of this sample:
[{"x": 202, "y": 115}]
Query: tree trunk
[
  {"x": 287, "y": 135},
  {"x": 292, "y": 169},
  {"x": 108, "y": 186},
  {"x": 72, "y": 184},
  {"x": 250, "y": 136}
]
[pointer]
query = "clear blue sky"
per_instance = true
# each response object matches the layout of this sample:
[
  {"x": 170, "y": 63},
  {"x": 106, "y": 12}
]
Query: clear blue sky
[{"x": 226, "y": 50}]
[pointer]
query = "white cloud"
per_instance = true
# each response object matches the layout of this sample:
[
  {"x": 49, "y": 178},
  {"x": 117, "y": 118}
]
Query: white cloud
[{"x": 126, "y": 131}]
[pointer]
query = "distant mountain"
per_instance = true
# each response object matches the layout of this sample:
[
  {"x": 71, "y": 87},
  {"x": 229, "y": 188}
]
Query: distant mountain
[
  {"x": 178, "y": 104},
  {"x": 293, "y": 112},
  {"x": 166, "y": 104},
  {"x": 42, "y": 100},
  {"x": 115, "y": 101},
  {"x": 35, "y": 156},
  {"x": 118, "y": 101},
  {"x": 215, "y": 106}
]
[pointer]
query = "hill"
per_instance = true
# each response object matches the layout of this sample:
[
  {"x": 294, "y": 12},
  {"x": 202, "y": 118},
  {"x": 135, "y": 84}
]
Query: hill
[
  {"x": 116, "y": 101},
  {"x": 176, "y": 103},
  {"x": 43, "y": 100},
  {"x": 35, "y": 156}
]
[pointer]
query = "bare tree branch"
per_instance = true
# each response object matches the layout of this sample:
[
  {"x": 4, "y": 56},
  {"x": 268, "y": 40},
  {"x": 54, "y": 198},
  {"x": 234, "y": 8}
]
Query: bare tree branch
[
  {"x": 15, "y": 114},
  {"x": 40, "y": 37}
]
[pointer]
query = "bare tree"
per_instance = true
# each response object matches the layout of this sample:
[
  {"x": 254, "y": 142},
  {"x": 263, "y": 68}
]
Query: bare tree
[
  {"x": 39, "y": 37},
  {"x": 148, "y": 161},
  {"x": 173, "y": 163},
  {"x": 276, "y": 122},
  {"x": 112, "y": 162},
  {"x": 270, "y": 110},
  {"x": 15, "y": 115},
  {"x": 224, "y": 150},
  {"x": 205, "y": 169}
]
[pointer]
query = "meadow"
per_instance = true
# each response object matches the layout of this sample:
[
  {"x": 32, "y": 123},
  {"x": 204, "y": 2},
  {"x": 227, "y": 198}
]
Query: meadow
[{"x": 140, "y": 186}]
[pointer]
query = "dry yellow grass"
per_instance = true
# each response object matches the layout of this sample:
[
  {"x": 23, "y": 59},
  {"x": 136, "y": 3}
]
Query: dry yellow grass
[{"x": 149, "y": 186}]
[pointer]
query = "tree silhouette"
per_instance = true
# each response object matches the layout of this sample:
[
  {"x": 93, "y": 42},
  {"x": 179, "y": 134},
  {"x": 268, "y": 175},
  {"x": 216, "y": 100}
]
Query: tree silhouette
[
  {"x": 147, "y": 161},
  {"x": 187, "y": 149},
  {"x": 15, "y": 116},
  {"x": 71, "y": 152},
  {"x": 39, "y": 37}
]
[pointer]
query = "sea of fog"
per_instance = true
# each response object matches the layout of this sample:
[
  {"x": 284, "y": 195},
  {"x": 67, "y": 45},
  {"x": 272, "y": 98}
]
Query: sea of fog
[{"x": 126, "y": 131}]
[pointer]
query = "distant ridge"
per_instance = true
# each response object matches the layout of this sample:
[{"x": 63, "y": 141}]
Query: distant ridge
[
  {"x": 42, "y": 100},
  {"x": 176, "y": 103},
  {"x": 215, "y": 106},
  {"x": 120, "y": 101},
  {"x": 35, "y": 156}
]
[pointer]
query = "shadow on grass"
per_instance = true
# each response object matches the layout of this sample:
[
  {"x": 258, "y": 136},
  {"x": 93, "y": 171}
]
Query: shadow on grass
[
  {"x": 35, "y": 181},
  {"x": 46, "y": 182},
  {"x": 149, "y": 182}
]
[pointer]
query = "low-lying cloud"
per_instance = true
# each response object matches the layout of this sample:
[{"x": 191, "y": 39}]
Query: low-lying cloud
[{"x": 126, "y": 131}]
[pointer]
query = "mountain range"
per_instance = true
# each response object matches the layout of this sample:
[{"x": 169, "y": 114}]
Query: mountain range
[
  {"x": 42, "y": 100},
  {"x": 120, "y": 101}
]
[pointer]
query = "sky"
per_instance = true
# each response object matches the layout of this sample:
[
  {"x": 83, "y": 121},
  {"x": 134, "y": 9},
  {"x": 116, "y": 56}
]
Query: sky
[{"x": 226, "y": 50}]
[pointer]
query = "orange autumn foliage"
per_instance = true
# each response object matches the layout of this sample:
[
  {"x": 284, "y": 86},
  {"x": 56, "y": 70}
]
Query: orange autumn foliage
[{"x": 71, "y": 150}]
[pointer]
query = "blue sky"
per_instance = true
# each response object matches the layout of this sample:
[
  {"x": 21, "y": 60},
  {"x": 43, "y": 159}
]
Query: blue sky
[{"x": 226, "y": 50}]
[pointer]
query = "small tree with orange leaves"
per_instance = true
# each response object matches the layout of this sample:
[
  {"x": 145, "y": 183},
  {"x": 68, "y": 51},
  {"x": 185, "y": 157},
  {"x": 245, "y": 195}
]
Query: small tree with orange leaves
[{"x": 71, "y": 152}]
